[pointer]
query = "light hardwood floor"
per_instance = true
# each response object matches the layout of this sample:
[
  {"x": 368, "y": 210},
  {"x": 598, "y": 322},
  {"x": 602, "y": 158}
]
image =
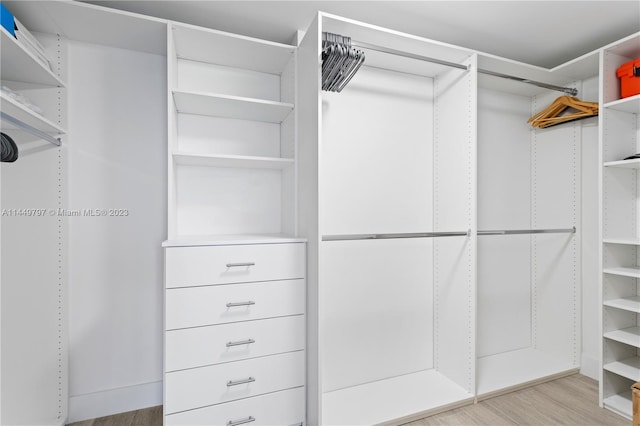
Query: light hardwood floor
[{"x": 571, "y": 400}]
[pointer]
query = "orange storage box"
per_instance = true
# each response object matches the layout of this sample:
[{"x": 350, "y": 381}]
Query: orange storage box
[{"x": 629, "y": 75}]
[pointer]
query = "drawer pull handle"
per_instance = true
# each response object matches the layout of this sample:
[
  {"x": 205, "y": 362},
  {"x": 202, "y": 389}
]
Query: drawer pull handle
[
  {"x": 247, "y": 303},
  {"x": 240, "y": 382},
  {"x": 240, "y": 342},
  {"x": 240, "y": 265},
  {"x": 241, "y": 422}
]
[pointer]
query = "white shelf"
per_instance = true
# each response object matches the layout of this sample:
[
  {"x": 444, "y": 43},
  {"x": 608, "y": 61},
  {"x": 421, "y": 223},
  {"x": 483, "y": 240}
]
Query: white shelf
[
  {"x": 510, "y": 369},
  {"x": 16, "y": 110},
  {"x": 627, "y": 164},
  {"x": 629, "y": 368},
  {"x": 368, "y": 404},
  {"x": 235, "y": 161},
  {"x": 214, "y": 105},
  {"x": 630, "y": 104},
  {"x": 232, "y": 50},
  {"x": 628, "y": 336},
  {"x": 621, "y": 403},
  {"x": 226, "y": 240},
  {"x": 631, "y": 304},
  {"x": 18, "y": 64},
  {"x": 628, "y": 241},
  {"x": 625, "y": 272}
]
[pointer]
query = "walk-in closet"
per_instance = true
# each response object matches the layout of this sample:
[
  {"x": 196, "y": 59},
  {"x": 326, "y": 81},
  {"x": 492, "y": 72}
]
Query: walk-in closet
[{"x": 278, "y": 213}]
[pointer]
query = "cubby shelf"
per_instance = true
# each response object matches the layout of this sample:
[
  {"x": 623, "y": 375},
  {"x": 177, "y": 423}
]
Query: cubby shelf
[
  {"x": 631, "y": 104},
  {"x": 628, "y": 336},
  {"x": 624, "y": 271},
  {"x": 627, "y": 241},
  {"x": 629, "y": 368},
  {"x": 216, "y": 105},
  {"x": 631, "y": 304},
  {"x": 627, "y": 164},
  {"x": 16, "y": 110},
  {"x": 236, "y": 161},
  {"x": 231, "y": 50},
  {"x": 23, "y": 66},
  {"x": 621, "y": 403}
]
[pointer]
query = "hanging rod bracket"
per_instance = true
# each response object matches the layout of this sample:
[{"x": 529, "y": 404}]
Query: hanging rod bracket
[{"x": 36, "y": 132}]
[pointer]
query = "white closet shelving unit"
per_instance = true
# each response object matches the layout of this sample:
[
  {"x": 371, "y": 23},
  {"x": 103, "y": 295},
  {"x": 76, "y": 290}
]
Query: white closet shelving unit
[
  {"x": 620, "y": 138},
  {"x": 34, "y": 309},
  {"x": 388, "y": 317},
  {"x": 232, "y": 135}
]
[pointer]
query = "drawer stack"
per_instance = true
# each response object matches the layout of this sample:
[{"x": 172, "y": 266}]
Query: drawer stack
[{"x": 235, "y": 335}]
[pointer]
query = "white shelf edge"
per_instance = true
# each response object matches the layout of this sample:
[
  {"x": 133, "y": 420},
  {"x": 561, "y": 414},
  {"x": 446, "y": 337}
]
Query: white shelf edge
[
  {"x": 629, "y": 336},
  {"x": 11, "y": 43},
  {"x": 236, "y": 161},
  {"x": 229, "y": 106},
  {"x": 213, "y": 240},
  {"x": 630, "y": 104},
  {"x": 627, "y": 241},
  {"x": 631, "y": 304},
  {"x": 625, "y": 272},
  {"x": 28, "y": 116},
  {"x": 629, "y": 368},
  {"x": 629, "y": 164}
]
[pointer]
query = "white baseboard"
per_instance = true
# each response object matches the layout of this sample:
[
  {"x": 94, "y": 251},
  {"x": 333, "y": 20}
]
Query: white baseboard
[
  {"x": 590, "y": 367},
  {"x": 114, "y": 401}
]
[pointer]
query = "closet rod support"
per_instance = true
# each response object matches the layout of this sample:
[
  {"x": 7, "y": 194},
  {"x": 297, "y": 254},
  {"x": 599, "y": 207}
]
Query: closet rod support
[
  {"x": 529, "y": 231},
  {"x": 568, "y": 90},
  {"x": 30, "y": 129},
  {"x": 393, "y": 236}
]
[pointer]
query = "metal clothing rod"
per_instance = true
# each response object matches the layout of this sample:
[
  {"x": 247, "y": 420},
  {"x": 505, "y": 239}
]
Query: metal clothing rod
[
  {"x": 391, "y": 236},
  {"x": 407, "y": 55},
  {"x": 30, "y": 129},
  {"x": 569, "y": 90},
  {"x": 529, "y": 231}
]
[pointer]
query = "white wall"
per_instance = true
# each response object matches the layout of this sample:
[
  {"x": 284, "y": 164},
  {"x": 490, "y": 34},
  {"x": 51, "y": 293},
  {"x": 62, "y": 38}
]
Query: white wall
[
  {"x": 117, "y": 160},
  {"x": 590, "y": 299}
]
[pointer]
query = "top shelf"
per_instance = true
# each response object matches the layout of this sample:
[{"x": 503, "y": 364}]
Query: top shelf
[
  {"x": 18, "y": 64},
  {"x": 232, "y": 50},
  {"x": 631, "y": 104}
]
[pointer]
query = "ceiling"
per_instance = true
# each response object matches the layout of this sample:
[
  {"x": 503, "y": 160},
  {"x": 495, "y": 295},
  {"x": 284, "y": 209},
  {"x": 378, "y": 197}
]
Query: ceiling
[{"x": 543, "y": 33}]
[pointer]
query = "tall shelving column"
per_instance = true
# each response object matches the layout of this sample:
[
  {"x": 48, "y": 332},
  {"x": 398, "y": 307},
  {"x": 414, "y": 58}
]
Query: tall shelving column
[
  {"x": 34, "y": 301},
  {"x": 231, "y": 134},
  {"x": 620, "y": 138}
]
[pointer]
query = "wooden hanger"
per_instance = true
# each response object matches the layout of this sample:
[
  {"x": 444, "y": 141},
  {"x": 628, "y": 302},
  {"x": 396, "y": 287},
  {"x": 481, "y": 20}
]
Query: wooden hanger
[{"x": 554, "y": 113}]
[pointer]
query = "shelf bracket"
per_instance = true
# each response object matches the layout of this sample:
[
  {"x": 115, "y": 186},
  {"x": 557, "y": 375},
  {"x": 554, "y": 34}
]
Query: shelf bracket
[{"x": 24, "y": 126}]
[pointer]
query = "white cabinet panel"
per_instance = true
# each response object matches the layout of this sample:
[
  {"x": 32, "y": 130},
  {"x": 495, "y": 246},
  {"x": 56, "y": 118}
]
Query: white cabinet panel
[
  {"x": 197, "y": 266},
  {"x": 198, "y": 306},
  {"x": 279, "y": 408},
  {"x": 201, "y": 387},
  {"x": 200, "y": 346}
]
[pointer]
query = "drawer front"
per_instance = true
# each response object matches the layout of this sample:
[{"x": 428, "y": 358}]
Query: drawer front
[
  {"x": 204, "y": 386},
  {"x": 200, "y": 306},
  {"x": 200, "y": 346},
  {"x": 198, "y": 266},
  {"x": 280, "y": 408}
]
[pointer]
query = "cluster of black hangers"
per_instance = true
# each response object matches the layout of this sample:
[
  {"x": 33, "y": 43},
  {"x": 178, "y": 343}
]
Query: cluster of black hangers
[{"x": 340, "y": 61}]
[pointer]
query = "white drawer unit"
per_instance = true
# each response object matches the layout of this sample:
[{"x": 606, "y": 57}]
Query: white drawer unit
[
  {"x": 235, "y": 334},
  {"x": 278, "y": 408},
  {"x": 201, "y": 387},
  {"x": 199, "y": 266},
  {"x": 199, "y": 306},
  {"x": 201, "y": 346}
]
